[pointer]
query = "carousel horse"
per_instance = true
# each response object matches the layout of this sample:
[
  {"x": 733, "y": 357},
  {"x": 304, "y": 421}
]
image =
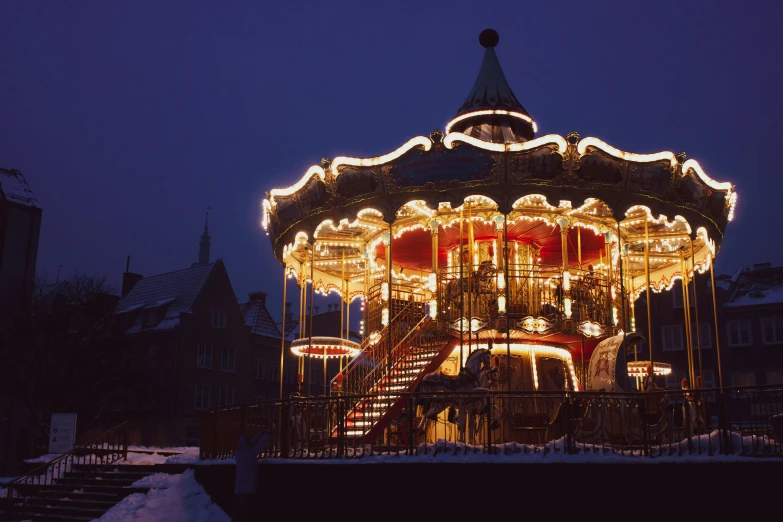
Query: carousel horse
[
  {"x": 468, "y": 380},
  {"x": 471, "y": 412},
  {"x": 481, "y": 281}
]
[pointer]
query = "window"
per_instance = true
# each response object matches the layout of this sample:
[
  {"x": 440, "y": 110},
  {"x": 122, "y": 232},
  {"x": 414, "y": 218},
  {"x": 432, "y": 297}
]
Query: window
[
  {"x": 775, "y": 377},
  {"x": 672, "y": 338},
  {"x": 218, "y": 319},
  {"x": 273, "y": 371},
  {"x": 151, "y": 358},
  {"x": 674, "y": 379},
  {"x": 290, "y": 375},
  {"x": 258, "y": 398},
  {"x": 227, "y": 359},
  {"x": 150, "y": 317},
  {"x": 738, "y": 332},
  {"x": 772, "y": 330},
  {"x": 708, "y": 379},
  {"x": 203, "y": 392},
  {"x": 743, "y": 379},
  {"x": 226, "y": 395},
  {"x": 257, "y": 368},
  {"x": 705, "y": 334},
  {"x": 204, "y": 355}
]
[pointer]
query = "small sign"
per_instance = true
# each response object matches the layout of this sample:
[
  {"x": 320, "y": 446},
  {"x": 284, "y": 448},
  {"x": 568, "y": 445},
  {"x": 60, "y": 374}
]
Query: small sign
[{"x": 62, "y": 435}]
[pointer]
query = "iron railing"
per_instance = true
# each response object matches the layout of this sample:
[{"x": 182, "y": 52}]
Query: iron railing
[
  {"x": 106, "y": 448},
  {"x": 738, "y": 421}
]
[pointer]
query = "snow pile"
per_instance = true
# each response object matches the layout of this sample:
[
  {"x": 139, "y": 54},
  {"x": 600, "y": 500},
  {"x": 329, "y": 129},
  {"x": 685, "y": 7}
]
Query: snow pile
[{"x": 173, "y": 497}]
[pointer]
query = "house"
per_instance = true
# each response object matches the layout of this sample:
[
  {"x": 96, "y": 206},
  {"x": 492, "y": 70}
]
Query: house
[
  {"x": 20, "y": 225},
  {"x": 266, "y": 349},
  {"x": 191, "y": 344},
  {"x": 752, "y": 327}
]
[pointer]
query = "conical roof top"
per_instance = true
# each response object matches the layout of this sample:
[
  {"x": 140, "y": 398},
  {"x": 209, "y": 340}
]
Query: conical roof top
[{"x": 491, "y": 111}]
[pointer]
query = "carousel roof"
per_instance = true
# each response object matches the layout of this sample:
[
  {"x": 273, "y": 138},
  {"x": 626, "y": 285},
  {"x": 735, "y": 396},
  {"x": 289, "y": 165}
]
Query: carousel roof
[
  {"x": 491, "y": 111},
  {"x": 345, "y": 205}
]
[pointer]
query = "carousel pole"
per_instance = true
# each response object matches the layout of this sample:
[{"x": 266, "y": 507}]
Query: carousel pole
[
  {"x": 342, "y": 306},
  {"x": 282, "y": 333},
  {"x": 389, "y": 337},
  {"x": 461, "y": 289},
  {"x": 647, "y": 293},
  {"x": 579, "y": 246},
  {"x": 310, "y": 321},
  {"x": 687, "y": 318},
  {"x": 347, "y": 315},
  {"x": 623, "y": 315},
  {"x": 696, "y": 310},
  {"x": 302, "y": 325},
  {"x": 471, "y": 254},
  {"x": 715, "y": 319},
  {"x": 508, "y": 303}
]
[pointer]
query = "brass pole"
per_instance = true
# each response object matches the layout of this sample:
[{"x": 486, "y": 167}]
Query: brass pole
[
  {"x": 649, "y": 303},
  {"x": 696, "y": 311},
  {"x": 310, "y": 322},
  {"x": 715, "y": 319},
  {"x": 579, "y": 246},
  {"x": 342, "y": 298},
  {"x": 686, "y": 301},
  {"x": 282, "y": 334},
  {"x": 461, "y": 289},
  {"x": 508, "y": 303},
  {"x": 471, "y": 254}
]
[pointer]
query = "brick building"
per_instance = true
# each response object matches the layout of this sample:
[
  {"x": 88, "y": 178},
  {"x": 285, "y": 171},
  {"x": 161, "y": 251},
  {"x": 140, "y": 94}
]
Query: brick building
[
  {"x": 20, "y": 225},
  {"x": 750, "y": 328}
]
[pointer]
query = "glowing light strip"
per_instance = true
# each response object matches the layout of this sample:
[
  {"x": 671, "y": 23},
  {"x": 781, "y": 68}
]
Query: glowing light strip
[
  {"x": 490, "y": 112},
  {"x": 558, "y": 140},
  {"x": 732, "y": 203},
  {"x": 717, "y": 185},
  {"x": 628, "y": 156},
  {"x": 418, "y": 141},
  {"x": 449, "y": 140},
  {"x": 315, "y": 170},
  {"x": 536, "y": 349}
]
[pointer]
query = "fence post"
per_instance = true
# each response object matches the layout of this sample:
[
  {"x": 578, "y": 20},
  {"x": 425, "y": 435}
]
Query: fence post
[
  {"x": 285, "y": 428},
  {"x": 723, "y": 423}
]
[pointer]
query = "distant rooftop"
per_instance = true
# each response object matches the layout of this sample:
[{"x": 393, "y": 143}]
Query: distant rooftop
[
  {"x": 257, "y": 317},
  {"x": 14, "y": 188}
]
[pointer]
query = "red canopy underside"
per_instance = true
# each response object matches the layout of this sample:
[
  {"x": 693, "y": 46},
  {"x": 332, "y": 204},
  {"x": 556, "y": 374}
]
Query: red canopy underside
[{"x": 413, "y": 250}]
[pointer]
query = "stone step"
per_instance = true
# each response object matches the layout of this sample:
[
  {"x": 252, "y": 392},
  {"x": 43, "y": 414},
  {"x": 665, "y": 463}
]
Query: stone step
[
  {"x": 40, "y": 507},
  {"x": 74, "y": 502},
  {"x": 108, "y": 474},
  {"x": 96, "y": 481}
]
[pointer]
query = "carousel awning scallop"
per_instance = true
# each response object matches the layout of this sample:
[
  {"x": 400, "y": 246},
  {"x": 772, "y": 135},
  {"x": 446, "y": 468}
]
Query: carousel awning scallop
[{"x": 328, "y": 347}]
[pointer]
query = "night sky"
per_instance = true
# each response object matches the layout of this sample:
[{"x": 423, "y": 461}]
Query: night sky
[{"x": 129, "y": 119}]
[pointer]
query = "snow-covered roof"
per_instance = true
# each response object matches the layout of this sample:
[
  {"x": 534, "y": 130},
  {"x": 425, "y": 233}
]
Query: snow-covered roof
[
  {"x": 259, "y": 319},
  {"x": 14, "y": 188},
  {"x": 756, "y": 296},
  {"x": 177, "y": 291}
]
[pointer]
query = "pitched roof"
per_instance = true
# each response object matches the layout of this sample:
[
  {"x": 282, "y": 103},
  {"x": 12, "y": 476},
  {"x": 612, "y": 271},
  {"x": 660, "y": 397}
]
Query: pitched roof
[
  {"x": 176, "y": 291},
  {"x": 14, "y": 188},
  {"x": 757, "y": 295},
  {"x": 258, "y": 318}
]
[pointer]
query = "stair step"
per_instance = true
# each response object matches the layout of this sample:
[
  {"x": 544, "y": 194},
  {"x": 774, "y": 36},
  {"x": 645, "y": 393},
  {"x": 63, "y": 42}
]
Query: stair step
[
  {"x": 107, "y": 474},
  {"x": 97, "y": 481},
  {"x": 75, "y": 502},
  {"x": 42, "y": 507},
  {"x": 59, "y": 489}
]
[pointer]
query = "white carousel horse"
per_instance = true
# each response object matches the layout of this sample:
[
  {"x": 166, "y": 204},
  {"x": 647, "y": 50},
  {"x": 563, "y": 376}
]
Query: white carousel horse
[{"x": 468, "y": 380}]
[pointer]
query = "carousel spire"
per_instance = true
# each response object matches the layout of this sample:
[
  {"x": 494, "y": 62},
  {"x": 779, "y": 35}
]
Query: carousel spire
[{"x": 491, "y": 111}]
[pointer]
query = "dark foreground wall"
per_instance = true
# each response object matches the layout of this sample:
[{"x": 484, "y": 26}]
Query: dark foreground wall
[{"x": 668, "y": 489}]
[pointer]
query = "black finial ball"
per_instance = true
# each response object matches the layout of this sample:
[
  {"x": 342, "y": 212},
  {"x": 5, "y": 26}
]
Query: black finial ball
[{"x": 489, "y": 38}]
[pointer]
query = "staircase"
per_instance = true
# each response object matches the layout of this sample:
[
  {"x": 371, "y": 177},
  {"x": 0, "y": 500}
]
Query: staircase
[
  {"x": 383, "y": 374},
  {"x": 85, "y": 492}
]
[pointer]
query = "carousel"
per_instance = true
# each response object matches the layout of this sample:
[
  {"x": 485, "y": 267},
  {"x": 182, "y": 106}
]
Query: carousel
[{"x": 486, "y": 237}]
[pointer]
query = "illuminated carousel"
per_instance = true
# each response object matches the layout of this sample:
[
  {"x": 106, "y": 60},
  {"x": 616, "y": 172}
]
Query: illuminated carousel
[{"x": 485, "y": 235}]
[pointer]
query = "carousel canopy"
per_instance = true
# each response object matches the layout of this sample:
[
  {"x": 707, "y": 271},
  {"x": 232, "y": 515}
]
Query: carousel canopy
[{"x": 487, "y": 167}]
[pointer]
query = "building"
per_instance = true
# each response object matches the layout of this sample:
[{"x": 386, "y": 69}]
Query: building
[
  {"x": 20, "y": 225},
  {"x": 190, "y": 340},
  {"x": 265, "y": 352},
  {"x": 752, "y": 327}
]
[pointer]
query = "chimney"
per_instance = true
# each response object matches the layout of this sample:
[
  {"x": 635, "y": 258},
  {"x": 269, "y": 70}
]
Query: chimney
[
  {"x": 762, "y": 266},
  {"x": 129, "y": 279},
  {"x": 257, "y": 296}
]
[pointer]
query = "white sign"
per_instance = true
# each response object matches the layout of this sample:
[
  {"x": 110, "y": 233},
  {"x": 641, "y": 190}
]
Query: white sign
[{"x": 62, "y": 434}]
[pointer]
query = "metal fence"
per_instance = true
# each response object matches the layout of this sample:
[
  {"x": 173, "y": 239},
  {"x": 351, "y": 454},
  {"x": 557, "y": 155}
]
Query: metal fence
[{"x": 744, "y": 421}]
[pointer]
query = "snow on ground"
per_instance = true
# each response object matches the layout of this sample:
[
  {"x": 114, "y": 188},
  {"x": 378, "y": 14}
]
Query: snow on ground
[{"x": 172, "y": 497}]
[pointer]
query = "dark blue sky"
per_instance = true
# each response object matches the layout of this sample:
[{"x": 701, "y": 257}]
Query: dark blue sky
[{"x": 130, "y": 118}]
